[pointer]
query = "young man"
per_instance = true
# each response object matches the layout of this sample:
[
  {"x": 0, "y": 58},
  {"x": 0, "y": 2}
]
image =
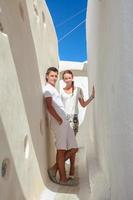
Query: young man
[{"x": 65, "y": 140}]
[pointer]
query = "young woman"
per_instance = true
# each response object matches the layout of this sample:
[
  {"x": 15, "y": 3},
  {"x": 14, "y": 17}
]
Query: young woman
[
  {"x": 65, "y": 140},
  {"x": 70, "y": 96}
]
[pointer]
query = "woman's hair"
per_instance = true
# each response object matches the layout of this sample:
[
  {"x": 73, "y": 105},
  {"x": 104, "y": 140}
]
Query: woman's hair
[
  {"x": 69, "y": 72},
  {"x": 50, "y": 69}
]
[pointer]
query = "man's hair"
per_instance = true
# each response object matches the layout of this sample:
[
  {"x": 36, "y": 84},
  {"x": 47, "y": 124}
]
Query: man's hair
[{"x": 50, "y": 69}]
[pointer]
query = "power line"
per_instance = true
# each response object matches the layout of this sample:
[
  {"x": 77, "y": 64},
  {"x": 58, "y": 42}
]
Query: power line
[
  {"x": 70, "y": 18},
  {"x": 62, "y": 38}
]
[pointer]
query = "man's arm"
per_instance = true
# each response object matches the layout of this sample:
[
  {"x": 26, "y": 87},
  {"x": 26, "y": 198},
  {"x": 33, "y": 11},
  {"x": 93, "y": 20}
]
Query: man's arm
[{"x": 52, "y": 111}]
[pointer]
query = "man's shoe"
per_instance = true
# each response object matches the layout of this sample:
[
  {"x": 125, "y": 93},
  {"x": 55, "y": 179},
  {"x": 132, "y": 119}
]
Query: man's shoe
[{"x": 52, "y": 175}]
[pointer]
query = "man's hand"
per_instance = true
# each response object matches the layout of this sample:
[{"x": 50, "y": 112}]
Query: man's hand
[
  {"x": 52, "y": 110},
  {"x": 60, "y": 121}
]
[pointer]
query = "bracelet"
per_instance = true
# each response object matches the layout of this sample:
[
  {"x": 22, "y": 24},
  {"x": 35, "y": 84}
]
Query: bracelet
[{"x": 91, "y": 97}]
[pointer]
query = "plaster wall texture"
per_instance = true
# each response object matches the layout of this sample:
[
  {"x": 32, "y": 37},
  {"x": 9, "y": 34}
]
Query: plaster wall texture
[
  {"x": 24, "y": 128},
  {"x": 16, "y": 143},
  {"x": 44, "y": 36},
  {"x": 110, "y": 45}
]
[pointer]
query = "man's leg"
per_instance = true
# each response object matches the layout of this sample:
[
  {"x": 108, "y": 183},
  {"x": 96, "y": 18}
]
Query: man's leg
[{"x": 60, "y": 160}]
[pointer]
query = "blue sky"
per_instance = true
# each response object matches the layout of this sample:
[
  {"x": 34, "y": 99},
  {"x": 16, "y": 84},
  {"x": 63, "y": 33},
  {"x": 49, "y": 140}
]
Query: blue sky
[{"x": 72, "y": 47}]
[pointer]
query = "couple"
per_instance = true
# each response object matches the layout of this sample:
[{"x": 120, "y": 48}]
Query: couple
[{"x": 59, "y": 107}]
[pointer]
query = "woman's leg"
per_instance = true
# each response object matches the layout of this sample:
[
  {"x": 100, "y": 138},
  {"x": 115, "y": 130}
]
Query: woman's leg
[
  {"x": 69, "y": 154},
  {"x": 72, "y": 161},
  {"x": 72, "y": 165}
]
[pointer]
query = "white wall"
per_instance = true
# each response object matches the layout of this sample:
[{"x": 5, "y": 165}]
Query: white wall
[
  {"x": 23, "y": 61},
  {"x": 19, "y": 180},
  {"x": 44, "y": 36},
  {"x": 110, "y": 47}
]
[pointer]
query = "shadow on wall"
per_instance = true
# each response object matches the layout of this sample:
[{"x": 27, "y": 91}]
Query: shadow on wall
[{"x": 50, "y": 146}]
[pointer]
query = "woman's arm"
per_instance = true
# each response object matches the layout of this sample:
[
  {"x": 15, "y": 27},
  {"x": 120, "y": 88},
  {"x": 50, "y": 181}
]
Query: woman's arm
[
  {"x": 52, "y": 111},
  {"x": 85, "y": 103}
]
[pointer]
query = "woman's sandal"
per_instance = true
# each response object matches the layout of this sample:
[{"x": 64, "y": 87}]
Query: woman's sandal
[
  {"x": 71, "y": 177},
  {"x": 69, "y": 182}
]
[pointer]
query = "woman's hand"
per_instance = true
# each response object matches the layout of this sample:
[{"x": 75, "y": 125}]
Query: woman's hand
[{"x": 85, "y": 103}]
